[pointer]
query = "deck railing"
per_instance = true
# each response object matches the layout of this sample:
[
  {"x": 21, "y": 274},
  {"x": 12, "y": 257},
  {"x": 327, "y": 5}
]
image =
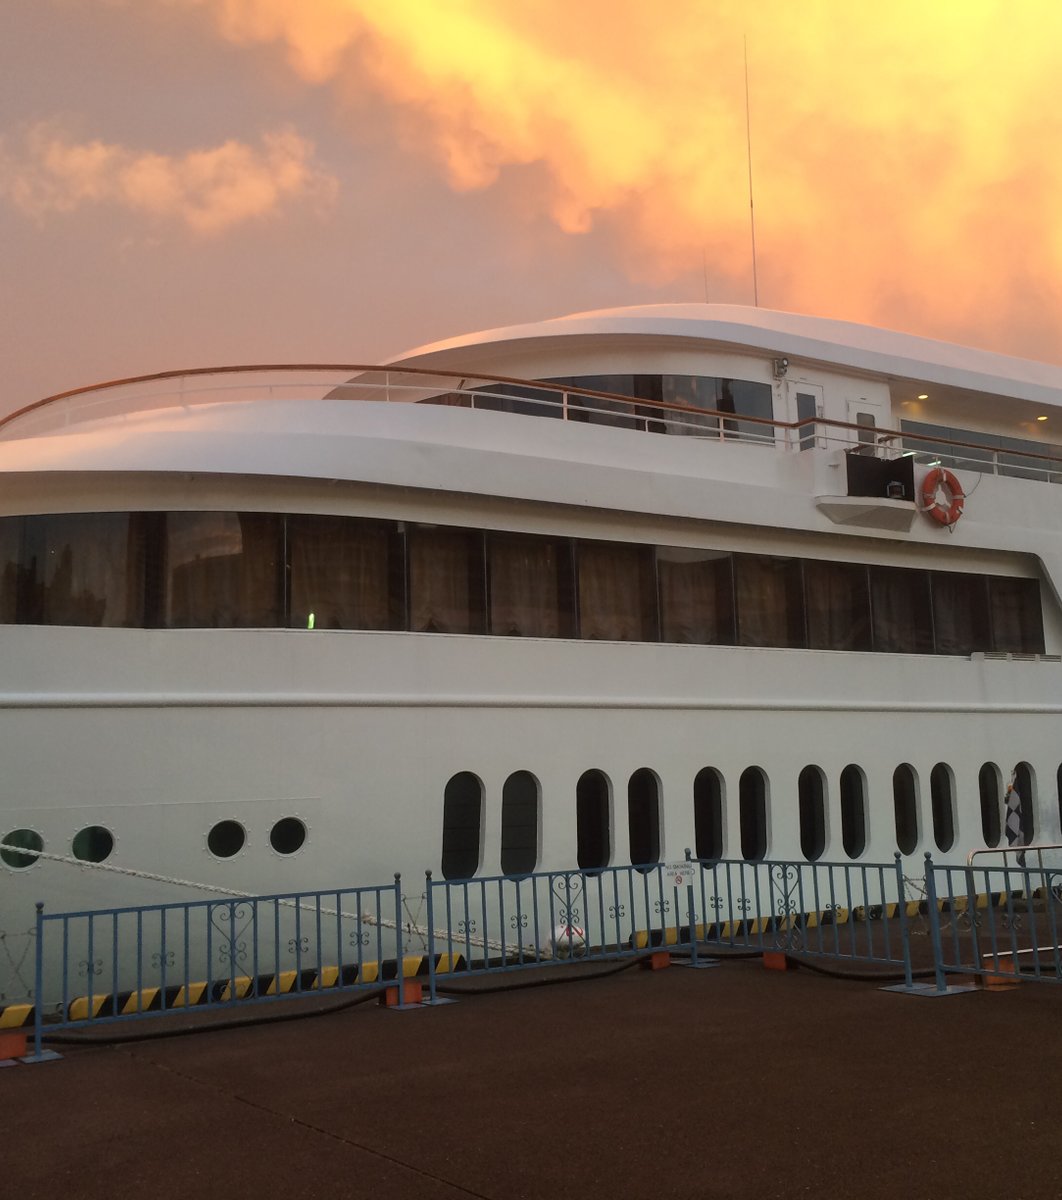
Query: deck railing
[{"x": 126, "y": 398}]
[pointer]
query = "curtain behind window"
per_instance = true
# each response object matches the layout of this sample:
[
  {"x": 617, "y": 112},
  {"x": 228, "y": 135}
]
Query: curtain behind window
[
  {"x": 1017, "y": 619},
  {"x": 81, "y": 569},
  {"x": 901, "y": 610},
  {"x": 770, "y": 606},
  {"x": 340, "y": 572},
  {"x": 223, "y": 570},
  {"x": 696, "y": 596},
  {"x": 615, "y": 593},
  {"x": 10, "y": 543},
  {"x": 960, "y": 613},
  {"x": 838, "y": 606},
  {"x": 530, "y": 586},
  {"x": 445, "y": 580}
]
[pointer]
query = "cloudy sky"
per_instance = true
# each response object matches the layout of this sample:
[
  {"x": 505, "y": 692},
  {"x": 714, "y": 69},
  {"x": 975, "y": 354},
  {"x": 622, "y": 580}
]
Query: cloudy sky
[{"x": 207, "y": 182}]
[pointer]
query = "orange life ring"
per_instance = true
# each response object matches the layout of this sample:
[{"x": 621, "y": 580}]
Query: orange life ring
[{"x": 944, "y": 511}]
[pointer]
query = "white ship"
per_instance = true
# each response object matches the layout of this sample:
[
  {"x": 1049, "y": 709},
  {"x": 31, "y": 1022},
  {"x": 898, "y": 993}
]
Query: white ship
[{"x": 590, "y": 591}]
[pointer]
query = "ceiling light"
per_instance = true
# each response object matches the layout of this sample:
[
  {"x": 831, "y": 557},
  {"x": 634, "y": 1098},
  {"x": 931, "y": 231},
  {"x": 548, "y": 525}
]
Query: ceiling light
[
  {"x": 1041, "y": 418},
  {"x": 924, "y": 396}
]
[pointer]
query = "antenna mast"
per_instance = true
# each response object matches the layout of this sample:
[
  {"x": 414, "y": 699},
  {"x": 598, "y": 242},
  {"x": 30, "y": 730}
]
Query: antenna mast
[{"x": 748, "y": 151}]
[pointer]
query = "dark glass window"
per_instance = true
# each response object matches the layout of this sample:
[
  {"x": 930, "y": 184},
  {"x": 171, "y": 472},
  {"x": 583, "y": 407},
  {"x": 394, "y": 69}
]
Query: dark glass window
[
  {"x": 692, "y": 391},
  {"x": 223, "y": 570},
  {"x": 900, "y": 609},
  {"x": 708, "y": 813},
  {"x": 960, "y": 612},
  {"x": 752, "y": 802},
  {"x": 616, "y": 592},
  {"x": 597, "y": 410},
  {"x": 1017, "y": 617},
  {"x": 530, "y": 586},
  {"x": 22, "y": 848},
  {"x": 446, "y": 583},
  {"x": 93, "y": 844},
  {"x": 838, "y": 606},
  {"x": 10, "y": 569},
  {"x": 696, "y": 596},
  {"x": 346, "y": 573},
  {"x": 520, "y": 804},
  {"x": 81, "y": 569},
  {"x": 770, "y": 602},
  {"x": 643, "y": 816},
  {"x": 592, "y": 820},
  {"x": 811, "y": 791},
  {"x": 462, "y": 825},
  {"x": 853, "y": 811},
  {"x": 746, "y": 400},
  {"x": 990, "y": 787},
  {"x": 905, "y": 807},
  {"x": 287, "y": 835},
  {"x": 226, "y": 839},
  {"x": 942, "y": 795},
  {"x": 1025, "y": 786}
]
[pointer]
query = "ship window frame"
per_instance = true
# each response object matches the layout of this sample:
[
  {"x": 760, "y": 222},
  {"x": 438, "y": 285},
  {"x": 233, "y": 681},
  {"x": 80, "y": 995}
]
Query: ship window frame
[
  {"x": 906, "y": 797},
  {"x": 990, "y": 792},
  {"x": 218, "y": 843},
  {"x": 753, "y": 808},
  {"x": 85, "y": 844},
  {"x": 644, "y": 809},
  {"x": 281, "y": 829},
  {"x": 593, "y": 820},
  {"x": 709, "y": 814},
  {"x": 942, "y": 803},
  {"x": 521, "y": 816},
  {"x": 812, "y": 806},
  {"x": 853, "y": 802},
  {"x": 25, "y": 834},
  {"x": 462, "y": 826}
]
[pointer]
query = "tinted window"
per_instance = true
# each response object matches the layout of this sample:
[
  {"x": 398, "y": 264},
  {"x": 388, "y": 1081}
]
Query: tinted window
[
  {"x": 941, "y": 790},
  {"x": 853, "y": 811},
  {"x": 592, "y": 820},
  {"x": 708, "y": 813},
  {"x": 905, "y": 805},
  {"x": 519, "y": 848},
  {"x": 752, "y": 801},
  {"x": 462, "y": 823},
  {"x": 811, "y": 791},
  {"x": 990, "y": 787},
  {"x": 643, "y": 815}
]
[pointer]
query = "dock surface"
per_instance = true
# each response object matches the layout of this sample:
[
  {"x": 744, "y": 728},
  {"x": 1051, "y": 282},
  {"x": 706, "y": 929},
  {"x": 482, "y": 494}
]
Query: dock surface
[{"x": 732, "y": 1082}]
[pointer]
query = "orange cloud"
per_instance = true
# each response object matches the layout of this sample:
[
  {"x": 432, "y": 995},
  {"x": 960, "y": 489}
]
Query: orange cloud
[
  {"x": 905, "y": 159},
  {"x": 208, "y": 191}
]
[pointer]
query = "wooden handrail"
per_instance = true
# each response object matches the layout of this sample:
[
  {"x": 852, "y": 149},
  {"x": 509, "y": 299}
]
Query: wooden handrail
[{"x": 663, "y": 406}]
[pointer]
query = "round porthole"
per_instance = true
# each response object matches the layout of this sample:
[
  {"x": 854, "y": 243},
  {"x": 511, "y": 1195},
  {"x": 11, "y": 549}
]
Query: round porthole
[
  {"x": 93, "y": 844},
  {"x": 21, "y": 847},
  {"x": 226, "y": 839},
  {"x": 287, "y": 835}
]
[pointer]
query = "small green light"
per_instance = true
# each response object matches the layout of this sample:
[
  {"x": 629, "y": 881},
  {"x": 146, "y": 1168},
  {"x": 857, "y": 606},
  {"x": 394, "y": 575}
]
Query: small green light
[{"x": 310, "y": 621}]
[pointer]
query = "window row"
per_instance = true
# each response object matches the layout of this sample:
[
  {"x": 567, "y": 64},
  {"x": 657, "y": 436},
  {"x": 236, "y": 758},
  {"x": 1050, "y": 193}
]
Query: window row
[
  {"x": 464, "y": 803},
  {"x": 261, "y": 570},
  {"x": 94, "y": 844},
  {"x": 989, "y": 453},
  {"x": 711, "y": 394}
]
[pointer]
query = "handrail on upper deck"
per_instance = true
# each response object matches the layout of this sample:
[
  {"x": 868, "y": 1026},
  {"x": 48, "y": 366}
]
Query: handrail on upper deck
[{"x": 882, "y": 438}]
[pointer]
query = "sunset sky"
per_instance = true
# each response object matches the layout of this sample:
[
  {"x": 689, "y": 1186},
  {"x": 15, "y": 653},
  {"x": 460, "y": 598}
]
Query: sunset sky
[{"x": 206, "y": 182}]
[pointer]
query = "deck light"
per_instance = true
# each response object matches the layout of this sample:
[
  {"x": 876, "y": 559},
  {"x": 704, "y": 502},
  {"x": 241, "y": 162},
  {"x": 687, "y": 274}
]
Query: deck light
[
  {"x": 923, "y": 396},
  {"x": 1041, "y": 418}
]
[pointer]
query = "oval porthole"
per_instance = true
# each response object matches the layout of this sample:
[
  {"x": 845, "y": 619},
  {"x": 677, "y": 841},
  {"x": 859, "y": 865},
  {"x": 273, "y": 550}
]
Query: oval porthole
[
  {"x": 226, "y": 839},
  {"x": 21, "y": 848},
  {"x": 93, "y": 844},
  {"x": 287, "y": 835}
]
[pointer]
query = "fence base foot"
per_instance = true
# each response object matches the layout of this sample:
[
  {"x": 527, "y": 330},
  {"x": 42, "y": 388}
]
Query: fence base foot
[
  {"x": 656, "y": 961},
  {"x": 44, "y": 1056},
  {"x": 776, "y": 960},
  {"x": 930, "y": 990},
  {"x": 701, "y": 963},
  {"x": 428, "y": 1002},
  {"x": 402, "y": 996}
]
